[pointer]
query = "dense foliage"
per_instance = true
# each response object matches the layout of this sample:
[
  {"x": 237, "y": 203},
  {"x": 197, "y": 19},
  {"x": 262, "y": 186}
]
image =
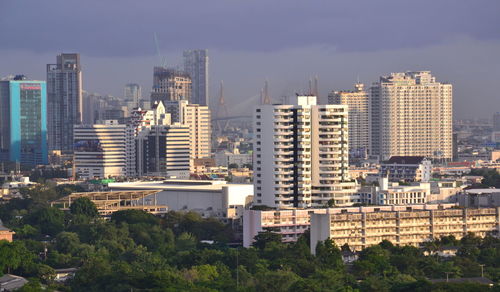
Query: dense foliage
[{"x": 136, "y": 251}]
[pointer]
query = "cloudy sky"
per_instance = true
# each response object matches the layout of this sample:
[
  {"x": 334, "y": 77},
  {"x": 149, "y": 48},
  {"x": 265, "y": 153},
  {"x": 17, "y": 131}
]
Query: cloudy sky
[{"x": 284, "y": 41}]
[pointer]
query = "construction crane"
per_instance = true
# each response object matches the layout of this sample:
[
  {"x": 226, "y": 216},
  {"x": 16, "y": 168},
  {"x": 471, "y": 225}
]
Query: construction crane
[{"x": 162, "y": 60}]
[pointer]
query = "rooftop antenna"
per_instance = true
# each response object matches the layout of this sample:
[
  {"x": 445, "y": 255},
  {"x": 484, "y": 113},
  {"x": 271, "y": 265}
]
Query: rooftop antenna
[
  {"x": 160, "y": 58},
  {"x": 316, "y": 91}
]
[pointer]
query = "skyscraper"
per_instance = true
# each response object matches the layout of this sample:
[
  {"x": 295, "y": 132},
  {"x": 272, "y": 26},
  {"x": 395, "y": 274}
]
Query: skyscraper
[
  {"x": 164, "y": 150},
  {"x": 104, "y": 150},
  {"x": 196, "y": 65},
  {"x": 357, "y": 102},
  {"x": 132, "y": 92},
  {"x": 23, "y": 121},
  {"x": 411, "y": 116},
  {"x": 301, "y": 155},
  {"x": 64, "y": 100},
  {"x": 197, "y": 118},
  {"x": 496, "y": 122},
  {"x": 170, "y": 84}
]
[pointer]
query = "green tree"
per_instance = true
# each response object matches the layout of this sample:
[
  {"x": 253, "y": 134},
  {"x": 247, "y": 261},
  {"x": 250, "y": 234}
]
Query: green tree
[
  {"x": 85, "y": 207},
  {"x": 264, "y": 238},
  {"x": 49, "y": 220}
]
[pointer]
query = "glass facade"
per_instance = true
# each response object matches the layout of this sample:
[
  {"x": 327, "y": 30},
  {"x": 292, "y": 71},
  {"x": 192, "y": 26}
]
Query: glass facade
[{"x": 28, "y": 122}]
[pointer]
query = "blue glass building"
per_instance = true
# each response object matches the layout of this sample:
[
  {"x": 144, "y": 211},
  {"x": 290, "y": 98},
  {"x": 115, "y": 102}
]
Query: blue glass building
[{"x": 23, "y": 121}]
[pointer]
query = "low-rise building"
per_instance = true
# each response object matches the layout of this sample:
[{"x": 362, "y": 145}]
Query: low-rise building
[
  {"x": 479, "y": 198},
  {"x": 407, "y": 168},
  {"x": 6, "y": 233},
  {"x": 402, "y": 225},
  {"x": 213, "y": 198}
]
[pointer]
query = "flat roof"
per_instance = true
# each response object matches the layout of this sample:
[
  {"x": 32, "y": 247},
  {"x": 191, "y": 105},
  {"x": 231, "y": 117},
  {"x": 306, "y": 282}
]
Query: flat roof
[
  {"x": 174, "y": 185},
  {"x": 482, "y": 191}
]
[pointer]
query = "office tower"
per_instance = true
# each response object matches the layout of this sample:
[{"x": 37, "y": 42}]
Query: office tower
[
  {"x": 104, "y": 150},
  {"x": 411, "y": 115},
  {"x": 196, "y": 65},
  {"x": 301, "y": 155},
  {"x": 170, "y": 84},
  {"x": 132, "y": 92},
  {"x": 197, "y": 118},
  {"x": 496, "y": 122},
  {"x": 357, "y": 102},
  {"x": 64, "y": 100},
  {"x": 164, "y": 151},
  {"x": 23, "y": 121}
]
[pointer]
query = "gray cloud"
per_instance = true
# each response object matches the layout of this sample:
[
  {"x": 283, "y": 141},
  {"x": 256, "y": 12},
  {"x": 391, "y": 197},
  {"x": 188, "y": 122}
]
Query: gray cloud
[{"x": 125, "y": 27}]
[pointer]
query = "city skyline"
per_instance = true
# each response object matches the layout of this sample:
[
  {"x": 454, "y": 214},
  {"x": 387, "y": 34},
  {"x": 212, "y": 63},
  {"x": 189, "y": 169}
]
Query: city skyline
[{"x": 459, "y": 53}]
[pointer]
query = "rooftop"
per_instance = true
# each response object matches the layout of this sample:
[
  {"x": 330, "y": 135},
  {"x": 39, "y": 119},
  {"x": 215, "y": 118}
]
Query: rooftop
[
  {"x": 405, "y": 160},
  {"x": 199, "y": 185}
]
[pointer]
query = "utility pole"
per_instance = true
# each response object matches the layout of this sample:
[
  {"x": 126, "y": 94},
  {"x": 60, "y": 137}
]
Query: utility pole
[
  {"x": 482, "y": 270},
  {"x": 447, "y": 276}
]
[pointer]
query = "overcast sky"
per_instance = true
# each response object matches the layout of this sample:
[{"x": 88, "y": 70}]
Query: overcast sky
[{"x": 284, "y": 41}]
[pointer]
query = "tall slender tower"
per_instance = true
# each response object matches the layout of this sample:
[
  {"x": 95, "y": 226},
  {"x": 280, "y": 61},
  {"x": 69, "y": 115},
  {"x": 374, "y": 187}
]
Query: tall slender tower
[
  {"x": 196, "y": 65},
  {"x": 411, "y": 115},
  {"x": 64, "y": 101}
]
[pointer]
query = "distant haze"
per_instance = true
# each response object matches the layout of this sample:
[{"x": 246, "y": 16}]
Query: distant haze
[{"x": 284, "y": 41}]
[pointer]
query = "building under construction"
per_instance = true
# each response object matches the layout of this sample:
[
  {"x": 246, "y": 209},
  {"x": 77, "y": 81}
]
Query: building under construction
[
  {"x": 170, "y": 84},
  {"x": 109, "y": 202}
]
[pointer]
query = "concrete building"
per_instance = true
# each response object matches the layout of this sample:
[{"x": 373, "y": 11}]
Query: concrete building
[
  {"x": 226, "y": 158},
  {"x": 402, "y": 225},
  {"x": 164, "y": 150},
  {"x": 23, "y": 121},
  {"x": 358, "y": 104},
  {"x": 6, "y": 233},
  {"x": 479, "y": 198},
  {"x": 64, "y": 101},
  {"x": 392, "y": 193},
  {"x": 197, "y": 118},
  {"x": 196, "y": 65},
  {"x": 170, "y": 84},
  {"x": 104, "y": 150},
  {"x": 496, "y": 122},
  {"x": 133, "y": 92},
  {"x": 208, "y": 198},
  {"x": 411, "y": 115},
  {"x": 290, "y": 224},
  {"x": 301, "y": 154},
  {"x": 407, "y": 169}
]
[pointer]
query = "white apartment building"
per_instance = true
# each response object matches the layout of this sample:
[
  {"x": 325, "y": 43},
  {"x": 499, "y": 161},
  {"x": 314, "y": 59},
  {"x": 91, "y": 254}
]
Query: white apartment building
[
  {"x": 104, "y": 150},
  {"x": 197, "y": 118},
  {"x": 411, "y": 115},
  {"x": 402, "y": 225},
  {"x": 358, "y": 104},
  {"x": 301, "y": 155}
]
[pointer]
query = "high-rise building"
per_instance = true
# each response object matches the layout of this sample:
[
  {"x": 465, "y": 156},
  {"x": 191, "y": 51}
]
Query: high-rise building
[
  {"x": 104, "y": 150},
  {"x": 496, "y": 122},
  {"x": 197, "y": 118},
  {"x": 164, "y": 150},
  {"x": 170, "y": 84},
  {"x": 64, "y": 100},
  {"x": 411, "y": 115},
  {"x": 357, "y": 102},
  {"x": 132, "y": 92},
  {"x": 196, "y": 65},
  {"x": 301, "y": 155},
  {"x": 23, "y": 121}
]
